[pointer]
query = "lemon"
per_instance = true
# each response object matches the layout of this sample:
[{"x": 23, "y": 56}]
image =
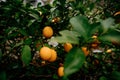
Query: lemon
[
  {"x": 53, "y": 56},
  {"x": 61, "y": 71},
  {"x": 45, "y": 53},
  {"x": 94, "y": 37},
  {"x": 47, "y": 32},
  {"x": 67, "y": 47},
  {"x": 109, "y": 51},
  {"x": 86, "y": 52}
]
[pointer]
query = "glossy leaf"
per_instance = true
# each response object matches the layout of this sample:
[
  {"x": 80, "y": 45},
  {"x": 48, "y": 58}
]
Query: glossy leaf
[
  {"x": 26, "y": 54},
  {"x": 73, "y": 61},
  {"x": 67, "y": 36},
  {"x": 111, "y": 35},
  {"x": 106, "y": 24},
  {"x": 80, "y": 24}
]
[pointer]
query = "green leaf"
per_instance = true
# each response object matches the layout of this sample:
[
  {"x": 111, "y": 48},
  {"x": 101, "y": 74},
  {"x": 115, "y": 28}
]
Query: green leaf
[
  {"x": 18, "y": 44},
  {"x": 111, "y": 35},
  {"x": 67, "y": 36},
  {"x": 115, "y": 75},
  {"x": 55, "y": 76},
  {"x": 81, "y": 25},
  {"x": 0, "y": 54},
  {"x": 31, "y": 22},
  {"x": 34, "y": 14},
  {"x": 23, "y": 32},
  {"x": 103, "y": 78},
  {"x": 13, "y": 35},
  {"x": 94, "y": 28},
  {"x": 28, "y": 41},
  {"x": 3, "y": 75},
  {"x": 1, "y": 36},
  {"x": 9, "y": 30},
  {"x": 107, "y": 24},
  {"x": 26, "y": 55},
  {"x": 74, "y": 61}
]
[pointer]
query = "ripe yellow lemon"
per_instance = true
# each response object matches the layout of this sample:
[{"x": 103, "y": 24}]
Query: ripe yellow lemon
[
  {"x": 61, "y": 71},
  {"x": 109, "y": 51},
  {"x": 47, "y": 32},
  {"x": 45, "y": 53},
  {"x": 53, "y": 56},
  {"x": 67, "y": 47},
  {"x": 86, "y": 52},
  {"x": 94, "y": 37}
]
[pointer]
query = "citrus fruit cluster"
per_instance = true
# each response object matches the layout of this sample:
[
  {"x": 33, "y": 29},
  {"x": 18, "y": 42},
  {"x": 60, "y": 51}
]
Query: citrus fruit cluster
[{"x": 48, "y": 54}]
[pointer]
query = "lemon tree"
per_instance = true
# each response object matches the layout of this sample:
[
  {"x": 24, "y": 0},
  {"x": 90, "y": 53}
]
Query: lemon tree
[{"x": 59, "y": 39}]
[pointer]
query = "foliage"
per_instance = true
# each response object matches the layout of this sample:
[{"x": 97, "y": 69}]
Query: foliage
[
  {"x": 73, "y": 21},
  {"x": 26, "y": 55},
  {"x": 74, "y": 61}
]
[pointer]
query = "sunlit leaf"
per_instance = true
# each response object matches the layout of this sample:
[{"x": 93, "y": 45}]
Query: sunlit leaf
[
  {"x": 26, "y": 55},
  {"x": 80, "y": 24},
  {"x": 106, "y": 24},
  {"x": 68, "y": 33},
  {"x": 73, "y": 61},
  {"x": 67, "y": 36}
]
